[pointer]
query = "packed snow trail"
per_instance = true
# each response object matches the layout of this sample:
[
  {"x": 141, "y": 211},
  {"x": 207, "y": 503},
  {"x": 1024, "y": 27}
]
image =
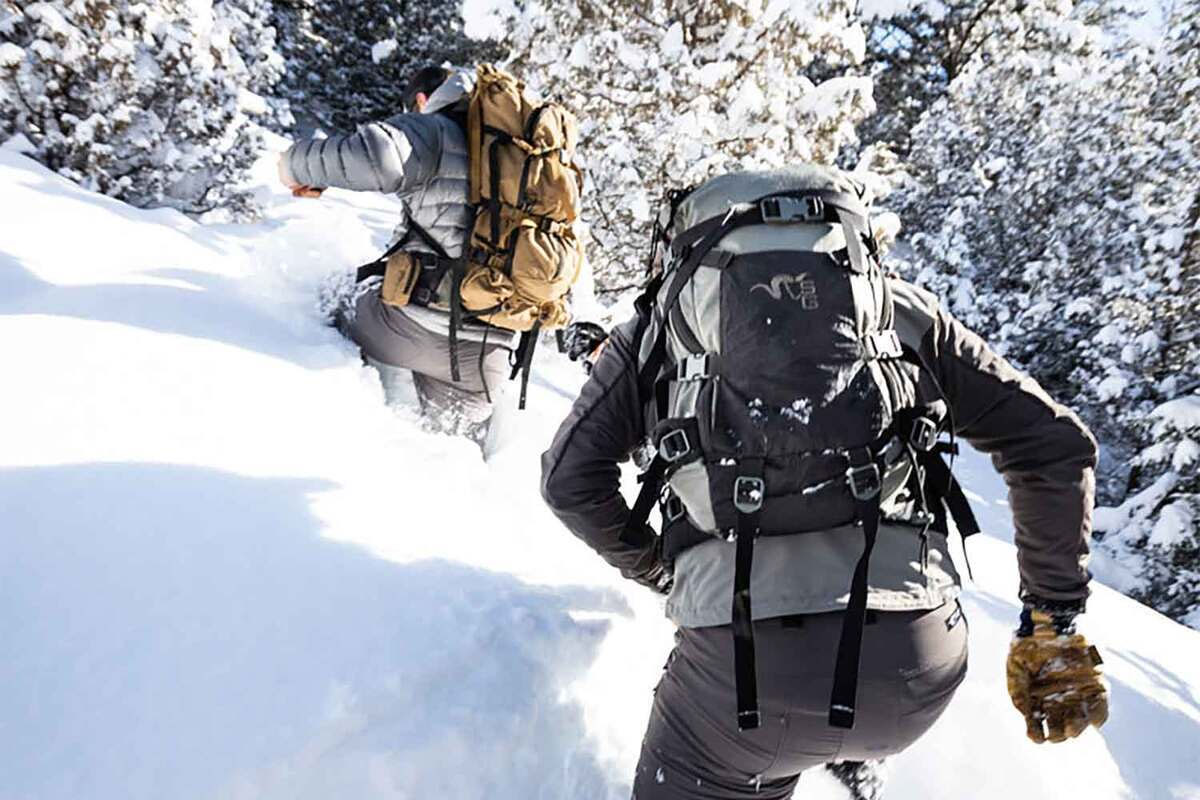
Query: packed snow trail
[{"x": 229, "y": 571}]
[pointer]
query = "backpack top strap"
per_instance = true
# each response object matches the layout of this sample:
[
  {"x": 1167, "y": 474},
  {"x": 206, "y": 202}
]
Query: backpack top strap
[{"x": 794, "y": 207}]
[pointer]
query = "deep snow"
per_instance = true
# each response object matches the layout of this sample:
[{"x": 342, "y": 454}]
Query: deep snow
[{"x": 229, "y": 571}]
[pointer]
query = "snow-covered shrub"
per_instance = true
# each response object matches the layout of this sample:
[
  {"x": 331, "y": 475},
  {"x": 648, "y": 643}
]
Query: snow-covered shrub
[
  {"x": 1152, "y": 540},
  {"x": 668, "y": 94},
  {"x": 142, "y": 101},
  {"x": 251, "y": 29},
  {"x": 1151, "y": 549},
  {"x": 348, "y": 62},
  {"x": 916, "y": 49},
  {"x": 1053, "y": 199}
]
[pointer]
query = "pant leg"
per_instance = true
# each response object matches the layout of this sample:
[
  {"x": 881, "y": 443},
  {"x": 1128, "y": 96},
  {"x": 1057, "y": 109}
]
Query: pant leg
[
  {"x": 388, "y": 336},
  {"x": 692, "y": 749},
  {"x": 912, "y": 663}
]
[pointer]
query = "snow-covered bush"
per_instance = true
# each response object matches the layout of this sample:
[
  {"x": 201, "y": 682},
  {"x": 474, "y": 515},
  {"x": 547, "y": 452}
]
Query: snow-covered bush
[
  {"x": 916, "y": 49},
  {"x": 349, "y": 62},
  {"x": 1152, "y": 540},
  {"x": 143, "y": 101},
  {"x": 1052, "y": 199},
  {"x": 668, "y": 94},
  {"x": 251, "y": 29}
]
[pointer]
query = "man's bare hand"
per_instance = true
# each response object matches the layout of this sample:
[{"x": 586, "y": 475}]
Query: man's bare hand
[{"x": 306, "y": 191}]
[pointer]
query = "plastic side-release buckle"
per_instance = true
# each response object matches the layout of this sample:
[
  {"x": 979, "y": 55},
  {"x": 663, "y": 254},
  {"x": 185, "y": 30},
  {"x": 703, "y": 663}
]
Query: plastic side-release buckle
[
  {"x": 694, "y": 367},
  {"x": 784, "y": 210},
  {"x": 674, "y": 446},
  {"x": 748, "y": 494},
  {"x": 673, "y": 508},
  {"x": 882, "y": 344},
  {"x": 864, "y": 481},
  {"x": 924, "y": 434}
]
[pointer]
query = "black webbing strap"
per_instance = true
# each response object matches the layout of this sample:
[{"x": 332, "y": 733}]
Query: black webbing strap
[
  {"x": 652, "y": 481},
  {"x": 374, "y": 269},
  {"x": 494, "y": 172},
  {"x": 844, "y": 697},
  {"x": 798, "y": 206},
  {"x": 945, "y": 487},
  {"x": 652, "y": 484},
  {"x": 377, "y": 267},
  {"x": 456, "y": 309},
  {"x": 748, "y": 493},
  {"x": 715, "y": 232},
  {"x": 522, "y": 361}
]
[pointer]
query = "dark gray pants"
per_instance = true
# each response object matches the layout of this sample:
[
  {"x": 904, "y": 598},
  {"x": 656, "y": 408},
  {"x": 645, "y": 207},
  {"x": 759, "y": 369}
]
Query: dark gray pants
[
  {"x": 392, "y": 342},
  {"x": 911, "y": 664}
]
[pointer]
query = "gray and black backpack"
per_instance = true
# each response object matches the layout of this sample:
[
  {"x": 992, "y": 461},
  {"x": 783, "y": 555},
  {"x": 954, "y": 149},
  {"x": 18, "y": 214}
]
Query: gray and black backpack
[{"x": 779, "y": 397}]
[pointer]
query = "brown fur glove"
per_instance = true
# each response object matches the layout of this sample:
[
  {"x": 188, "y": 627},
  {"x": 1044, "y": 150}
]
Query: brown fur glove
[{"x": 1053, "y": 680}]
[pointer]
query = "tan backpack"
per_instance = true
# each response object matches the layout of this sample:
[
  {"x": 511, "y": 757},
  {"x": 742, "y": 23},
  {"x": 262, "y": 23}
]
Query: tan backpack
[{"x": 523, "y": 255}]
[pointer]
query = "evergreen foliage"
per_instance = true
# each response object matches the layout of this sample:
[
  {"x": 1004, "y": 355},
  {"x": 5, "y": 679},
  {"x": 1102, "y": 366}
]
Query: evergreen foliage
[
  {"x": 1052, "y": 200},
  {"x": 348, "y": 62},
  {"x": 148, "y": 102},
  {"x": 670, "y": 93}
]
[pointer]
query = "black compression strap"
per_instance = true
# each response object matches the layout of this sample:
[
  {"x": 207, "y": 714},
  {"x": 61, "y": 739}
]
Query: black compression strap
[
  {"x": 844, "y": 697},
  {"x": 456, "y": 309},
  {"x": 373, "y": 270},
  {"x": 426, "y": 237},
  {"x": 652, "y": 480},
  {"x": 834, "y": 206},
  {"x": 654, "y": 362},
  {"x": 744, "y": 668},
  {"x": 377, "y": 267},
  {"x": 527, "y": 360},
  {"x": 494, "y": 169},
  {"x": 945, "y": 487}
]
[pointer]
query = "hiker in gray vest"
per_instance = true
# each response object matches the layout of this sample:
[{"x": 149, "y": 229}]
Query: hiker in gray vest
[
  {"x": 793, "y": 408},
  {"x": 421, "y": 157}
]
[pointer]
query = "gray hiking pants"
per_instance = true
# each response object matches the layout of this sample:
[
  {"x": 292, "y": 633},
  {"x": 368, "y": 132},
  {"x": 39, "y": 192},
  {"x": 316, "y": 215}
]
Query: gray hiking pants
[
  {"x": 912, "y": 661},
  {"x": 393, "y": 343}
]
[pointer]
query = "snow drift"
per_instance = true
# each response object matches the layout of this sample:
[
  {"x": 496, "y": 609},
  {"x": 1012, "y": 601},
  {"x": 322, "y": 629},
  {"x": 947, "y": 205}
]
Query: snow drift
[{"x": 230, "y": 571}]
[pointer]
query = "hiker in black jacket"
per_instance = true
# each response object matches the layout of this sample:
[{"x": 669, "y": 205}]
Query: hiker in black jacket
[{"x": 715, "y": 733}]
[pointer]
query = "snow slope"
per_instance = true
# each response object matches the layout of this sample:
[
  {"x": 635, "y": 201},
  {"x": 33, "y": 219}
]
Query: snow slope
[{"x": 229, "y": 571}]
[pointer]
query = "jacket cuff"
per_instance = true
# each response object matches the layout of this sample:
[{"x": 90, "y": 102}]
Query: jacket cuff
[
  {"x": 1053, "y": 608},
  {"x": 1038, "y": 610}
]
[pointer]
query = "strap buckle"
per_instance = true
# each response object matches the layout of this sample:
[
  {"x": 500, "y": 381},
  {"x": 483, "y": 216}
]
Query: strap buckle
[
  {"x": 694, "y": 367},
  {"x": 924, "y": 434},
  {"x": 865, "y": 481},
  {"x": 748, "y": 494},
  {"x": 674, "y": 446},
  {"x": 784, "y": 210},
  {"x": 882, "y": 344},
  {"x": 673, "y": 508},
  {"x": 748, "y": 720}
]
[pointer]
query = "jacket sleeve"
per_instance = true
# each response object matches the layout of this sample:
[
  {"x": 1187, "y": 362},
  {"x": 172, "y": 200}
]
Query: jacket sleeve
[
  {"x": 580, "y": 472},
  {"x": 381, "y": 156},
  {"x": 1044, "y": 452}
]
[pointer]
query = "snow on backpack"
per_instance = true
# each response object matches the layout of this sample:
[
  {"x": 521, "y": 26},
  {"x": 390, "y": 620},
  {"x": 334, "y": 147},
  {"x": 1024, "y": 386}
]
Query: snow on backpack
[
  {"x": 523, "y": 255},
  {"x": 779, "y": 397}
]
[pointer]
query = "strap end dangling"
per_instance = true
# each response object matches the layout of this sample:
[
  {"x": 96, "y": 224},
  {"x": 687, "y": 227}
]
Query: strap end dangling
[{"x": 841, "y": 717}]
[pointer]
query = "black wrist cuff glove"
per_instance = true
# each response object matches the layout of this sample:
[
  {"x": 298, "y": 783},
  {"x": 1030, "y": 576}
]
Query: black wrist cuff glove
[
  {"x": 580, "y": 339},
  {"x": 1061, "y": 612},
  {"x": 650, "y": 571}
]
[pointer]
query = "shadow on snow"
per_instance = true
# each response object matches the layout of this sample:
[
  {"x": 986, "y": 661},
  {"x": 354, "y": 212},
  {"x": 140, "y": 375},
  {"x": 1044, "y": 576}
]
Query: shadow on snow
[{"x": 173, "y": 631}]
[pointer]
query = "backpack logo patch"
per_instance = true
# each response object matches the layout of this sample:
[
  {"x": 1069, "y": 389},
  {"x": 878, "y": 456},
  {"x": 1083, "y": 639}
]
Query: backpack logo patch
[{"x": 798, "y": 287}]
